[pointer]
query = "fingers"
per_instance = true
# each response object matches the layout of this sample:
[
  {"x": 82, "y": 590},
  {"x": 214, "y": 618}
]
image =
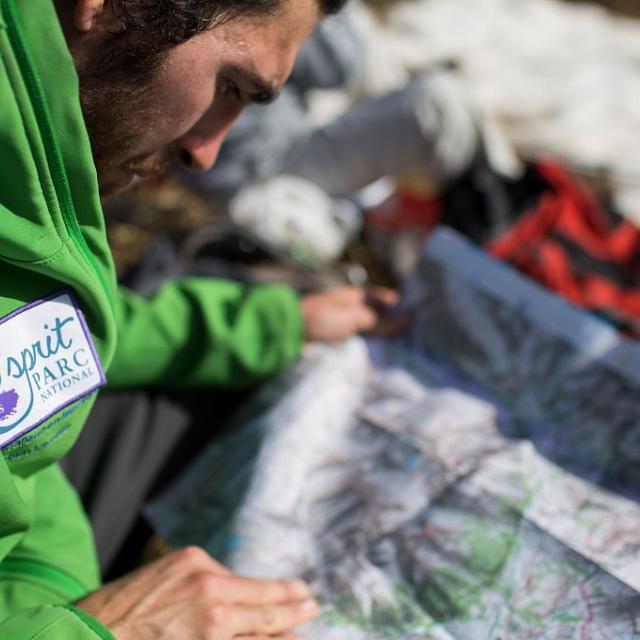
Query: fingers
[
  {"x": 239, "y": 606},
  {"x": 268, "y": 620},
  {"x": 377, "y": 296},
  {"x": 173, "y": 568},
  {"x": 342, "y": 322},
  {"x": 231, "y": 590},
  {"x": 339, "y": 313},
  {"x": 382, "y": 321},
  {"x": 187, "y": 594},
  {"x": 360, "y": 320},
  {"x": 268, "y": 591},
  {"x": 382, "y": 299},
  {"x": 345, "y": 294}
]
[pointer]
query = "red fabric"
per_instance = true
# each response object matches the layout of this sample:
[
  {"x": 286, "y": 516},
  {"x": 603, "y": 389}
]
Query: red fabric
[
  {"x": 570, "y": 211},
  {"x": 405, "y": 211}
]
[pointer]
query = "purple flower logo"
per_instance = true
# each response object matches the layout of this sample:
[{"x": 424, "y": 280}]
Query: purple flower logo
[{"x": 8, "y": 403}]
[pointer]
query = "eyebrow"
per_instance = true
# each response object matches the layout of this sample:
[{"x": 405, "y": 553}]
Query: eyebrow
[{"x": 260, "y": 91}]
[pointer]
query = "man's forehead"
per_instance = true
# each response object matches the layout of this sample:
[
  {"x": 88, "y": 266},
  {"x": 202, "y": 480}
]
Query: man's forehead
[{"x": 259, "y": 50}]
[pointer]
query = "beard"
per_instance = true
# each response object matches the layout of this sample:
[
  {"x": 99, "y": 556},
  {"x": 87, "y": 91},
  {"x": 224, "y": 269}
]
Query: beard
[{"x": 116, "y": 97}]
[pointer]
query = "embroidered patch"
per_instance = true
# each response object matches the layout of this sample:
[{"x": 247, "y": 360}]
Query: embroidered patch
[{"x": 47, "y": 362}]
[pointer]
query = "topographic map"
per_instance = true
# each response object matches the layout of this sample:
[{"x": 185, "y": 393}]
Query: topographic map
[{"x": 476, "y": 480}]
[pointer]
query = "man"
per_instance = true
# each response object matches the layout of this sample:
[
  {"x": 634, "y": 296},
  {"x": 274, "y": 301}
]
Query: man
[
  {"x": 428, "y": 124},
  {"x": 156, "y": 80}
]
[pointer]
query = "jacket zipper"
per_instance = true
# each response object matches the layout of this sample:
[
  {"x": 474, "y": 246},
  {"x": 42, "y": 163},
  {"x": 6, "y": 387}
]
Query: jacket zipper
[{"x": 52, "y": 148}]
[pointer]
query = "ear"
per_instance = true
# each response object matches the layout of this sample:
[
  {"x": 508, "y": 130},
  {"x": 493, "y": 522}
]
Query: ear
[{"x": 86, "y": 13}]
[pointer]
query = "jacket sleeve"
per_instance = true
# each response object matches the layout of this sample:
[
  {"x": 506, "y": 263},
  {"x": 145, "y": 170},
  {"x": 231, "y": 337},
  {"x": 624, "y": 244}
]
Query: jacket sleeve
[
  {"x": 51, "y": 622},
  {"x": 52, "y": 565},
  {"x": 205, "y": 332}
]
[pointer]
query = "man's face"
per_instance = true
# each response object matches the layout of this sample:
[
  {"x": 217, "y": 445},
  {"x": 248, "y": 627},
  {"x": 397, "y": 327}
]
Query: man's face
[{"x": 186, "y": 106}]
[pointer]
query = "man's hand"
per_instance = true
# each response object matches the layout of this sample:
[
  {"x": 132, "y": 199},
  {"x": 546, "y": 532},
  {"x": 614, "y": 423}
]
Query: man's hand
[
  {"x": 189, "y": 596},
  {"x": 339, "y": 313}
]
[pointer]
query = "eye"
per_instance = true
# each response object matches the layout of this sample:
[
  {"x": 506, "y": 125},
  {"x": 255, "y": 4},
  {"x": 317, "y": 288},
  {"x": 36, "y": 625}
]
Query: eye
[{"x": 230, "y": 88}]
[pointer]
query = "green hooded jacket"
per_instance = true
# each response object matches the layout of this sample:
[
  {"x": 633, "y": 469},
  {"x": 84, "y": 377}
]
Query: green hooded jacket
[{"x": 64, "y": 323}]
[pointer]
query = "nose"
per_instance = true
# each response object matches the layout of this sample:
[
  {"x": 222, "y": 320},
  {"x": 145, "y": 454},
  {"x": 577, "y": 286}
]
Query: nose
[
  {"x": 199, "y": 154},
  {"x": 198, "y": 149}
]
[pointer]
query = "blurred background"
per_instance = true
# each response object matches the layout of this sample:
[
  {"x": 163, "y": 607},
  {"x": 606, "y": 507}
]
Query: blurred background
[{"x": 514, "y": 121}]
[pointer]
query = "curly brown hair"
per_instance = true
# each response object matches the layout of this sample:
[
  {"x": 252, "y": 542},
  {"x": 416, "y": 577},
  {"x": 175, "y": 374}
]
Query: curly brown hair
[{"x": 175, "y": 21}]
